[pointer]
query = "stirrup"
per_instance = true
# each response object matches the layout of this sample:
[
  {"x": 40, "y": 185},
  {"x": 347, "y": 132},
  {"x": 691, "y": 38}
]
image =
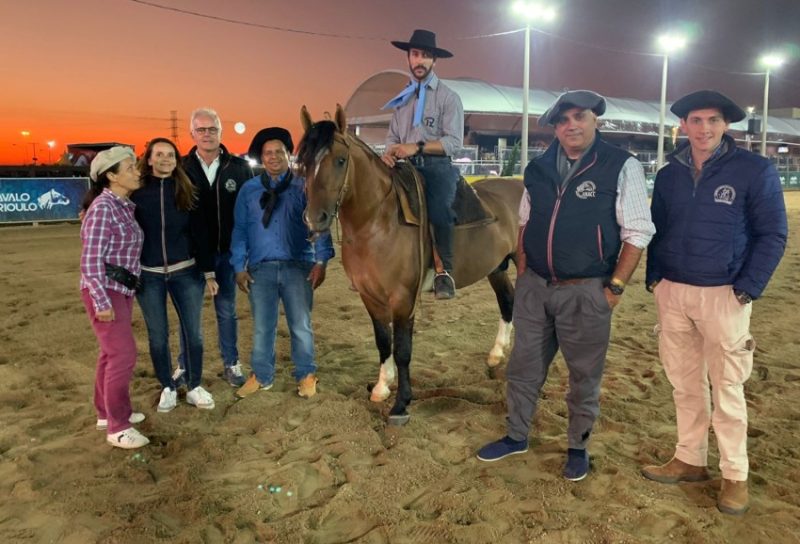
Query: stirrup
[{"x": 444, "y": 287}]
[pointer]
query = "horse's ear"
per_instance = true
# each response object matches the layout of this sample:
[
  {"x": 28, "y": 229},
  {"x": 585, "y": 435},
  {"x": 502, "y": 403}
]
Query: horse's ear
[
  {"x": 341, "y": 119},
  {"x": 305, "y": 119}
]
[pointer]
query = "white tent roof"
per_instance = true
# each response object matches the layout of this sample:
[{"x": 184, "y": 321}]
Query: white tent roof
[{"x": 482, "y": 98}]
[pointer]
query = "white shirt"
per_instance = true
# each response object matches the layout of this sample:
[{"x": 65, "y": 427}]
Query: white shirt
[{"x": 209, "y": 169}]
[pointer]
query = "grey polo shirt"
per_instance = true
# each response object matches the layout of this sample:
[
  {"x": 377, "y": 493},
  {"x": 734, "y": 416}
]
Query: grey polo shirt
[{"x": 443, "y": 119}]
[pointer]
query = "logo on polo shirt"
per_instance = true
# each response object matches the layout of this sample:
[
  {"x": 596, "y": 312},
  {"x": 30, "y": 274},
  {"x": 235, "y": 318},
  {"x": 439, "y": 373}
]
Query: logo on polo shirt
[
  {"x": 725, "y": 194},
  {"x": 230, "y": 185},
  {"x": 585, "y": 190}
]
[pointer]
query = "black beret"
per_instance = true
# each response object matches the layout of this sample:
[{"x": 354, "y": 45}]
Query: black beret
[
  {"x": 265, "y": 135},
  {"x": 586, "y": 100},
  {"x": 700, "y": 100}
]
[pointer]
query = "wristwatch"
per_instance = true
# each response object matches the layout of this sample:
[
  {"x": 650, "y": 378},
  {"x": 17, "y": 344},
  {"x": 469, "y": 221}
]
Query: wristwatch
[
  {"x": 616, "y": 286},
  {"x": 742, "y": 296},
  {"x": 420, "y": 147}
]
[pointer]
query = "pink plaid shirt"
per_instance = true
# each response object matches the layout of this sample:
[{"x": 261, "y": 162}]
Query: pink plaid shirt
[{"x": 110, "y": 234}]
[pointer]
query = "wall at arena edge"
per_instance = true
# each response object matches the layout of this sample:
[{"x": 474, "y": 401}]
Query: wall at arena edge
[{"x": 28, "y": 200}]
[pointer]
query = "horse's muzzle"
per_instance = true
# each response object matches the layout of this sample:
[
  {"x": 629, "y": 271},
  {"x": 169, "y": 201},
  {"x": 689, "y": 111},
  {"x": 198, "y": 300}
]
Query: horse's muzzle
[{"x": 320, "y": 223}]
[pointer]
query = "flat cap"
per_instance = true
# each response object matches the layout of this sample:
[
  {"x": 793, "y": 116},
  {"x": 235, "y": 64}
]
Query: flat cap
[
  {"x": 587, "y": 100},
  {"x": 700, "y": 100},
  {"x": 107, "y": 158},
  {"x": 265, "y": 135}
]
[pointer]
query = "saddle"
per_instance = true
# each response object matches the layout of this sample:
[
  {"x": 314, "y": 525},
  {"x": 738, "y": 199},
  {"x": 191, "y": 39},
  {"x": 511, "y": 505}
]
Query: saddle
[{"x": 467, "y": 206}]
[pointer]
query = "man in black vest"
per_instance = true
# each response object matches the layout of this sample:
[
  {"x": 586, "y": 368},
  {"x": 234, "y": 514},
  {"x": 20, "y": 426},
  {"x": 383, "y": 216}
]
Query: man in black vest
[
  {"x": 584, "y": 222},
  {"x": 218, "y": 176}
]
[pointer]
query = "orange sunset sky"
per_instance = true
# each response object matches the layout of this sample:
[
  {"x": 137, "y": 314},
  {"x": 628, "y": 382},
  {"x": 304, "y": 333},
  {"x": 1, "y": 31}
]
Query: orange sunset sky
[{"x": 112, "y": 70}]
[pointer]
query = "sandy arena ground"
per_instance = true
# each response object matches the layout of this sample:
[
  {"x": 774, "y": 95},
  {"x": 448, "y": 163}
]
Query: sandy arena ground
[{"x": 344, "y": 477}]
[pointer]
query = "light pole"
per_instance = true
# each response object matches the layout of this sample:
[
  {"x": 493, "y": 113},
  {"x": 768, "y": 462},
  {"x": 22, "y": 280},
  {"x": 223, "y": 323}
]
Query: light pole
[
  {"x": 50, "y": 145},
  {"x": 667, "y": 43},
  {"x": 769, "y": 61},
  {"x": 530, "y": 12}
]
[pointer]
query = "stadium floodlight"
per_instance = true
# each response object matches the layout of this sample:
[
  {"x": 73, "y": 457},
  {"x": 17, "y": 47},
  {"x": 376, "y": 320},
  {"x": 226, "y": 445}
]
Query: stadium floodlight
[
  {"x": 531, "y": 13},
  {"x": 667, "y": 44},
  {"x": 769, "y": 61},
  {"x": 50, "y": 145}
]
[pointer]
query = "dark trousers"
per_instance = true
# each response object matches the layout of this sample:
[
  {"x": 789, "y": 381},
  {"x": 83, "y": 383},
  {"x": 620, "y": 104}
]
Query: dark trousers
[{"x": 441, "y": 178}]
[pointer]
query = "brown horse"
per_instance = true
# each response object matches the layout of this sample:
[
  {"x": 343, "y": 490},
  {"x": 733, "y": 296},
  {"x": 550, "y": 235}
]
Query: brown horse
[{"x": 386, "y": 260}]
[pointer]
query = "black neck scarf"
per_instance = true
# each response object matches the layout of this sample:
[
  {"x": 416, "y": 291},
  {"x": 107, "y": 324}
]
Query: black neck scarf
[{"x": 270, "y": 197}]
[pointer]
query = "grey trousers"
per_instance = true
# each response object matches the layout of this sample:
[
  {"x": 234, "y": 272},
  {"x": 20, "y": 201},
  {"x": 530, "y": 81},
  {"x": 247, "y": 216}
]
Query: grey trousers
[{"x": 574, "y": 318}]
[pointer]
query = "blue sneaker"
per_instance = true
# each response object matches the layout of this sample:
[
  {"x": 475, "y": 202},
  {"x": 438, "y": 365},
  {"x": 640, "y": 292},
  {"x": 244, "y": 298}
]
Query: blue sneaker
[
  {"x": 502, "y": 448},
  {"x": 577, "y": 466}
]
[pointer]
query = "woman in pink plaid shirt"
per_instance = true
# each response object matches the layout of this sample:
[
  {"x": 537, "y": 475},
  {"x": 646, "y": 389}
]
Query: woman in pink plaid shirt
[{"x": 112, "y": 245}]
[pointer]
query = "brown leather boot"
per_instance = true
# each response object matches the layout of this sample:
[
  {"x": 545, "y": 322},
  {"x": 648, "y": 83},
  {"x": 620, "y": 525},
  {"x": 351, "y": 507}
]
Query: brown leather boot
[
  {"x": 307, "y": 387},
  {"x": 675, "y": 471},
  {"x": 733, "y": 497}
]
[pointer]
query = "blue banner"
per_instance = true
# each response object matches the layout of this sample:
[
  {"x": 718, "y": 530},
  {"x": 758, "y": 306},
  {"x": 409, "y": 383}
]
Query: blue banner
[{"x": 25, "y": 200}]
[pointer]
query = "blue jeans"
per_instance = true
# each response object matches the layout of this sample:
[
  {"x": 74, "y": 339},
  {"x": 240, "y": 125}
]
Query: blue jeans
[
  {"x": 225, "y": 306},
  {"x": 285, "y": 281},
  {"x": 185, "y": 288}
]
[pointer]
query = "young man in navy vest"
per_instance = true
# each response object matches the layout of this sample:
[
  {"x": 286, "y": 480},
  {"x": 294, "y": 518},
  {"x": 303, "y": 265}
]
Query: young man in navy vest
[
  {"x": 584, "y": 222},
  {"x": 722, "y": 230}
]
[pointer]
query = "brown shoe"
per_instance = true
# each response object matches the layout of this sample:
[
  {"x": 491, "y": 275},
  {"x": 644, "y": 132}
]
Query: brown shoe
[
  {"x": 251, "y": 386},
  {"x": 733, "y": 498},
  {"x": 307, "y": 387},
  {"x": 675, "y": 471}
]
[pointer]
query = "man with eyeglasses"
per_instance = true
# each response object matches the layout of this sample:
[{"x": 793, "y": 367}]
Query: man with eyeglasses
[{"x": 218, "y": 176}]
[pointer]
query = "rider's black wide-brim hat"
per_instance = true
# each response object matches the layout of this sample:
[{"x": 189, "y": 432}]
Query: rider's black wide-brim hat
[{"x": 426, "y": 40}]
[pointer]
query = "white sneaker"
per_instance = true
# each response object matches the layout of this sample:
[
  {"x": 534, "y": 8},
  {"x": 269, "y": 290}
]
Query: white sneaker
[
  {"x": 128, "y": 439},
  {"x": 169, "y": 400},
  {"x": 136, "y": 417},
  {"x": 201, "y": 398}
]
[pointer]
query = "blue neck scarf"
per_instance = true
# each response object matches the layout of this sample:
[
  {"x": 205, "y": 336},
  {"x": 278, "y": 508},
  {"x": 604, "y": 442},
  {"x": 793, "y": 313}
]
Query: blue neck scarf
[{"x": 412, "y": 89}]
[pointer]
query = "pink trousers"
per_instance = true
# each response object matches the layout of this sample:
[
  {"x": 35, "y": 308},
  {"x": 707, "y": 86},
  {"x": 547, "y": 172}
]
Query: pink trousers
[
  {"x": 704, "y": 340},
  {"x": 115, "y": 362}
]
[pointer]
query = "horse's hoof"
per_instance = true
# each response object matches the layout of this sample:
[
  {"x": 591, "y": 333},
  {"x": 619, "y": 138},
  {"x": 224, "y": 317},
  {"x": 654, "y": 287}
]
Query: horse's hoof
[
  {"x": 379, "y": 394},
  {"x": 494, "y": 360},
  {"x": 399, "y": 421}
]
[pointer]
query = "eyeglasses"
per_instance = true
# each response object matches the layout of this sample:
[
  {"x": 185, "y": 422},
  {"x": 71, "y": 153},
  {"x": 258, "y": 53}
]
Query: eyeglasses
[{"x": 213, "y": 131}]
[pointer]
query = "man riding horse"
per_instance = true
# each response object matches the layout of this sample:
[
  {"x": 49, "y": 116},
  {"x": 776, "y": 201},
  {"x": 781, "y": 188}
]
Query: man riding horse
[{"x": 427, "y": 128}]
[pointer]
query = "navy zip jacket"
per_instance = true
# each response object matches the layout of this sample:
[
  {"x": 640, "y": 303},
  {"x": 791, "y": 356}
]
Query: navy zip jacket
[
  {"x": 572, "y": 231},
  {"x": 218, "y": 199},
  {"x": 170, "y": 235},
  {"x": 729, "y": 229}
]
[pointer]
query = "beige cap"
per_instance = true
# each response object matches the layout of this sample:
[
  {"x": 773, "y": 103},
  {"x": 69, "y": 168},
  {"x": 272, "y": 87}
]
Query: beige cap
[{"x": 108, "y": 158}]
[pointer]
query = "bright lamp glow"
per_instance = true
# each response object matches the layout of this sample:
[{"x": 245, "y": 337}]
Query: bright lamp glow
[
  {"x": 534, "y": 11},
  {"x": 51, "y": 144},
  {"x": 671, "y": 42},
  {"x": 772, "y": 60}
]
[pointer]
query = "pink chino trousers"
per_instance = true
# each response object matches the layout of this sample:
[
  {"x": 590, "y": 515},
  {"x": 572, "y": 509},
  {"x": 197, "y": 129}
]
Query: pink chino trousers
[
  {"x": 115, "y": 362},
  {"x": 704, "y": 340}
]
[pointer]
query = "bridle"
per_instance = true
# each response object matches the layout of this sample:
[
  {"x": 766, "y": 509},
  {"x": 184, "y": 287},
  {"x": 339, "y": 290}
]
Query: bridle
[{"x": 346, "y": 184}]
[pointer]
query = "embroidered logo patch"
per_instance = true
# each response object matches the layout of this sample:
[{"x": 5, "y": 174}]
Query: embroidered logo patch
[
  {"x": 725, "y": 194},
  {"x": 585, "y": 190},
  {"x": 230, "y": 185}
]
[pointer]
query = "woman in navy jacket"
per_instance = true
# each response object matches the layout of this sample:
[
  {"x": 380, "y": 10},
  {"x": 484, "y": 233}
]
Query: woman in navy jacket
[{"x": 175, "y": 262}]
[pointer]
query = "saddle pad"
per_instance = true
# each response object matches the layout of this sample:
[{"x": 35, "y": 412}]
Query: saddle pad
[{"x": 467, "y": 207}]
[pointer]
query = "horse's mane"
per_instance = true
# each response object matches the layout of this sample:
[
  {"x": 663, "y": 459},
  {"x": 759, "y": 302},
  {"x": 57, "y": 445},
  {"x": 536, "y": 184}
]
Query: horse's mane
[{"x": 318, "y": 138}]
